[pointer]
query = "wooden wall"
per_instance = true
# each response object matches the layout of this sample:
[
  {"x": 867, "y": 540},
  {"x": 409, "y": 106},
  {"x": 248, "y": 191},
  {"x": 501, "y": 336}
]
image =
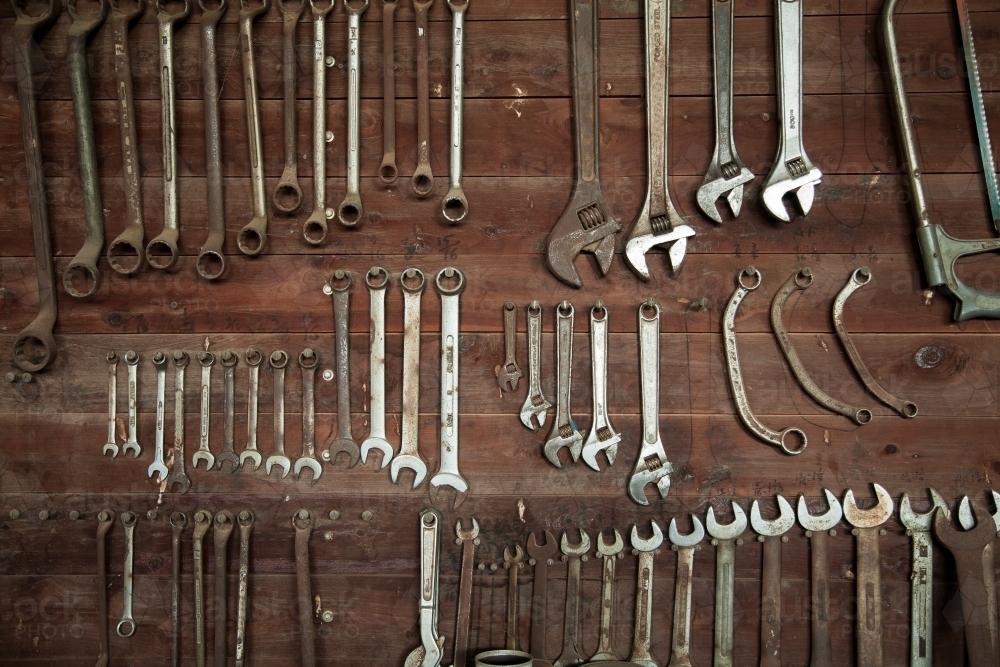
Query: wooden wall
[{"x": 518, "y": 173}]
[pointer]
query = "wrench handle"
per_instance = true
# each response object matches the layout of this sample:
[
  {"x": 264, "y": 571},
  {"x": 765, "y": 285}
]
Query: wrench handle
[
  {"x": 254, "y": 384},
  {"x": 107, "y": 519},
  {"x": 457, "y": 57},
  {"x": 509, "y": 333},
  {"x": 869, "y": 576},
  {"x": 820, "y": 643},
  {"x": 539, "y": 592},
  {"x": 788, "y": 50},
  {"x": 411, "y": 372},
  {"x": 279, "y": 411},
  {"x": 229, "y": 408},
  {"x": 463, "y": 615},
  {"x": 221, "y": 541},
  {"x": 309, "y": 412},
  {"x": 586, "y": 74},
  {"x": 604, "y": 647},
  {"x": 977, "y": 588},
  {"x": 167, "y": 124},
  {"x": 722, "y": 55},
  {"x": 564, "y": 378},
  {"x": 449, "y": 382},
  {"x": 770, "y": 604},
  {"x": 133, "y": 404},
  {"x": 304, "y": 588},
  {"x": 725, "y": 595},
  {"x": 289, "y": 67},
  {"x": 649, "y": 368},
  {"x": 571, "y": 627},
  {"x": 921, "y": 603},
  {"x": 319, "y": 111},
  {"x": 161, "y": 390},
  {"x": 200, "y": 528},
  {"x": 213, "y": 124},
  {"x": 657, "y": 27},
  {"x": 246, "y": 528},
  {"x": 354, "y": 101},
  {"x": 643, "y": 609},
  {"x": 681, "y": 644},
  {"x": 206, "y": 406},
  {"x": 512, "y": 607},
  {"x": 423, "y": 102},
  {"x": 175, "y": 595},
  {"x": 387, "y": 171}
]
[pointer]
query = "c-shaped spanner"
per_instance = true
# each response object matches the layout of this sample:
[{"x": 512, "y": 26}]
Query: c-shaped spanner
[
  {"x": 816, "y": 530},
  {"x": 652, "y": 466},
  {"x": 449, "y": 282},
  {"x": 574, "y": 555},
  {"x": 918, "y": 527},
  {"x": 772, "y": 534},
  {"x": 350, "y": 211},
  {"x": 610, "y": 553},
  {"x": 278, "y": 361},
  {"x": 315, "y": 228},
  {"x": 645, "y": 549},
  {"x": 207, "y": 360},
  {"x": 377, "y": 281},
  {"x": 250, "y": 453},
  {"x": 308, "y": 360},
  {"x": 409, "y": 454},
  {"x": 339, "y": 290},
  {"x": 725, "y": 539},
  {"x": 178, "y": 469},
  {"x": 158, "y": 467},
  {"x": 252, "y": 239},
  {"x": 564, "y": 432}
]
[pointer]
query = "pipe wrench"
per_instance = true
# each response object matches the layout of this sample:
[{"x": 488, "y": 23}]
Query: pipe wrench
[{"x": 430, "y": 651}]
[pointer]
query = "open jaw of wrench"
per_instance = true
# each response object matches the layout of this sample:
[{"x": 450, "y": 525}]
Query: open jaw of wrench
[
  {"x": 603, "y": 436},
  {"x": 339, "y": 290},
  {"x": 422, "y": 181},
  {"x": 34, "y": 347},
  {"x": 111, "y": 446},
  {"x": 207, "y": 360},
  {"x": 161, "y": 252},
  {"x": 792, "y": 171},
  {"x": 224, "y": 522},
  {"x": 541, "y": 556},
  {"x": 82, "y": 277},
  {"x": 350, "y": 211},
  {"x": 287, "y": 194},
  {"x": 817, "y": 530},
  {"x": 658, "y": 223},
  {"x": 211, "y": 262},
  {"x": 178, "y": 520},
  {"x": 455, "y": 206},
  {"x": 106, "y": 518},
  {"x": 409, "y": 454},
  {"x": 965, "y": 518},
  {"x": 252, "y": 239},
  {"x": 245, "y": 519},
  {"x": 726, "y": 173},
  {"x": 574, "y": 555},
  {"x": 250, "y": 453},
  {"x": 449, "y": 283},
  {"x": 302, "y": 522},
  {"x": 308, "y": 361},
  {"x": 278, "y": 361},
  {"x": 652, "y": 466},
  {"x": 228, "y": 453},
  {"x": 725, "y": 538},
  {"x": 587, "y": 223},
  {"x": 859, "y": 278},
  {"x": 315, "y": 228},
  {"x": 968, "y": 522},
  {"x": 202, "y": 522},
  {"x": 535, "y": 404},
  {"x": 513, "y": 563},
  {"x": 801, "y": 280},
  {"x": 763, "y": 433},
  {"x": 771, "y": 533},
  {"x": 685, "y": 546},
  {"x": 918, "y": 527},
  {"x": 377, "y": 281},
  {"x": 158, "y": 467},
  {"x": 509, "y": 374},
  {"x": 646, "y": 549},
  {"x": 132, "y": 362},
  {"x": 429, "y": 653},
  {"x": 469, "y": 539},
  {"x": 564, "y": 432},
  {"x": 387, "y": 171},
  {"x": 126, "y": 626},
  {"x": 610, "y": 553}
]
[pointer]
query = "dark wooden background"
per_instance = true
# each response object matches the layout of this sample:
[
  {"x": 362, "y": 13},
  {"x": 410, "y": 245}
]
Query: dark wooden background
[{"x": 519, "y": 168}]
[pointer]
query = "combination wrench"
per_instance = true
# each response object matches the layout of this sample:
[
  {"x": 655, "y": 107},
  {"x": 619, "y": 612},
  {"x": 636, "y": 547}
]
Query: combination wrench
[
  {"x": 387, "y": 171},
  {"x": 250, "y": 453},
  {"x": 535, "y": 404},
  {"x": 574, "y": 555},
  {"x": 772, "y": 534},
  {"x": 278, "y": 361},
  {"x": 302, "y": 522},
  {"x": 602, "y": 436},
  {"x": 409, "y": 453},
  {"x": 817, "y": 528},
  {"x": 513, "y": 563},
  {"x": 422, "y": 180},
  {"x": 178, "y": 469},
  {"x": 918, "y": 527},
  {"x": 455, "y": 206},
  {"x": 610, "y": 553},
  {"x": 308, "y": 361},
  {"x": 228, "y": 453},
  {"x": 111, "y": 446},
  {"x": 339, "y": 290},
  {"x": 350, "y": 211},
  {"x": 253, "y": 237},
  {"x": 540, "y": 557},
  {"x": 659, "y": 223},
  {"x": 315, "y": 228},
  {"x": 430, "y": 651},
  {"x": 82, "y": 277},
  {"x": 158, "y": 467},
  {"x": 224, "y": 522},
  {"x": 207, "y": 360},
  {"x": 564, "y": 432},
  {"x": 725, "y": 539},
  {"x": 132, "y": 362},
  {"x": 126, "y": 626},
  {"x": 685, "y": 546},
  {"x": 202, "y": 522},
  {"x": 161, "y": 252},
  {"x": 510, "y": 372},
  {"x": 245, "y": 519},
  {"x": 646, "y": 549},
  {"x": 105, "y": 519},
  {"x": 211, "y": 262},
  {"x": 448, "y": 473},
  {"x": 377, "y": 281},
  {"x": 287, "y": 194},
  {"x": 469, "y": 539},
  {"x": 178, "y": 521},
  {"x": 652, "y": 466}
]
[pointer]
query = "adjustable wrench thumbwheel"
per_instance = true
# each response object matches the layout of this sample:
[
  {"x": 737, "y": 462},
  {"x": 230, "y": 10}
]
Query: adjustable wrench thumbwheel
[{"x": 207, "y": 360}]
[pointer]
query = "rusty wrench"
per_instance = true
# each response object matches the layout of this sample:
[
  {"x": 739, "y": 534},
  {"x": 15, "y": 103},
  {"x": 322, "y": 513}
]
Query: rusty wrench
[
  {"x": 315, "y": 228},
  {"x": 253, "y": 237},
  {"x": 817, "y": 528},
  {"x": 278, "y": 361},
  {"x": 202, "y": 522},
  {"x": 377, "y": 280},
  {"x": 540, "y": 558},
  {"x": 652, "y": 466},
  {"x": 302, "y": 522},
  {"x": 646, "y": 549},
  {"x": 178, "y": 471},
  {"x": 610, "y": 553},
  {"x": 245, "y": 520},
  {"x": 513, "y": 563},
  {"x": 409, "y": 453},
  {"x": 469, "y": 539},
  {"x": 288, "y": 195},
  {"x": 510, "y": 372},
  {"x": 132, "y": 361},
  {"x": 228, "y": 453},
  {"x": 771, "y": 533},
  {"x": 111, "y": 446},
  {"x": 350, "y": 211},
  {"x": 422, "y": 181},
  {"x": 966, "y": 520},
  {"x": 455, "y": 206},
  {"x": 603, "y": 436},
  {"x": 535, "y": 404},
  {"x": 564, "y": 432},
  {"x": 685, "y": 546},
  {"x": 448, "y": 473},
  {"x": 106, "y": 518},
  {"x": 158, "y": 467},
  {"x": 574, "y": 555},
  {"x": 725, "y": 539},
  {"x": 211, "y": 262},
  {"x": 224, "y": 522},
  {"x": 126, "y": 626},
  {"x": 387, "y": 170},
  {"x": 339, "y": 290},
  {"x": 254, "y": 359},
  {"x": 918, "y": 527},
  {"x": 178, "y": 520},
  {"x": 308, "y": 360},
  {"x": 207, "y": 360}
]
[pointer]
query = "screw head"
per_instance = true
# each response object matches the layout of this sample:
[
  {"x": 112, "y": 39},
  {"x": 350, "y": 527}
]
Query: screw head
[
  {"x": 43, "y": 515},
  {"x": 74, "y": 515},
  {"x": 26, "y": 378},
  {"x": 330, "y": 61},
  {"x": 367, "y": 515},
  {"x": 11, "y": 377},
  {"x": 328, "y": 375},
  {"x": 334, "y": 515},
  {"x": 327, "y": 616},
  {"x": 152, "y": 514}
]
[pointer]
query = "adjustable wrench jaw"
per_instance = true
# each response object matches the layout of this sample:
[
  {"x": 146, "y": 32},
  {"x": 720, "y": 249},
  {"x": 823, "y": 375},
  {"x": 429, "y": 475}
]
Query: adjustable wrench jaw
[
  {"x": 651, "y": 468},
  {"x": 774, "y": 527},
  {"x": 780, "y": 182},
  {"x": 965, "y": 512},
  {"x": 594, "y": 444},
  {"x": 921, "y": 523},
  {"x": 825, "y": 521},
  {"x": 563, "y": 436},
  {"x": 585, "y": 226},
  {"x": 534, "y": 409},
  {"x": 728, "y": 531},
  {"x": 648, "y": 231},
  {"x": 718, "y": 186},
  {"x": 873, "y": 517}
]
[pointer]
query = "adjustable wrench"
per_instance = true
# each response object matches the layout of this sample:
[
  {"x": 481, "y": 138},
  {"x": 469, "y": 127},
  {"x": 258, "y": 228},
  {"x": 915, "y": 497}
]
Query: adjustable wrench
[
  {"x": 228, "y": 453},
  {"x": 652, "y": 465},
  {"x": 308, "y": 360},
  {"x": 448, "y": 473},
  {"x": 161, "y": 252},
  {"x": 816, "y": 530},
  {"x": 350, "y": 210},
  {"x": 564, "y": 432},
  {"x": 278, "y": 361},
  {"x": 224, "y": 521},
  {"x": 254, "y": 359},
  {"x": 245, "y": 520},
  {"x": 315, "y": 228},
  {"x": 377, "y": 281},
  {"x": 34, "y": 347},
  {"x": 574, "y": 555},
  {"x": 211, "y": 262},
  {"x": 869, "y": 576},
  {"x": 792, "y": 171},
  {"x": 339, "y": 291},
  {"x": 82, "y": 277},
  {"x": 288, "y": 195},
  {"x": 658, "y": 223},
  {"x": 253, "y": 237},
  {"x": 646, "y": 549},
  {"x": 422, "y": 181},
  {"x": 157, "y": 467},
  {"x": 726, "y": 173},
  {"x": 132, "y": 362},
  {"x": 429, "y": 653},
  {"x": 126, "y": 626},
  {"x": 207, "y": 360},
  {"x": 772, "y": 534},
  {"x": 112, "y": 446},
  {"x": 178, "y": 520},
  {"x": 610, "y": 553},
  {"x": 725, "y": 539},
  {"x": 918, "y": 527},
  {"x": 513, "y": 563},
  {"x": 409, "y": 454},
  {"x": 455, "y": 206},
  {"x": 178, "y": 472},
  {"x": 540, "y": 558},
  {"x": 387, "y": 170},
  {"x": 302, "y": 522},
  {"x": 106, "y": 519},
  {"x": 510, "y": 372},
  {"x": 603, "y": 436},
  {"x": 202, "y": 522},
  {"x": 469, "y": 539},
  {"x": 587, "y": 223},
  {"x": 535, "y": 405},
  {"x": 685, "y": 546}
]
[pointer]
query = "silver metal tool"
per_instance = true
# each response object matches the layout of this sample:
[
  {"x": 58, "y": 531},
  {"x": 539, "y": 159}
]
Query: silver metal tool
[
  {"x": 287, "y": 194},
  {"x": 126, "y": 626},
  {"x": 818, "y": 528},
  {"x": 646, "y": 549},
  {"x": 574, "y": 555},
  {"x": 178, "y": 470},
  {"x": 429, "y": 653},
  {"x": 509, "y": 374},
  {"x": 338, "y": 288},
  {"x": 725, "y": 539},
  {"x": 202, "y": 522},
  {"x": 315, "y": 228},
  {"x": 513, "y": 563},
  {"x": 132, "y": 362},
  {"x": 105, "y": 519},
  {"x": 409, "y": 453},
  {"x": 918, "y": 527},
  {"x": 771, "y": 533},
  {"x": 387, "y": 171},
  {"x": 245, "y": 520},
  {"x": 224, "y": 522},
  {"x": 111, "y": 446},
  {"x": 302, "y": 522},
  {"x": 535, "y": 404},
  {"x": 469, "y": 539},
  {"x": 602, "y": 436},
  {"x": 178, "y": 521},
  {"x": 449, "y": 282},
  {"x": 652, "y": 466},
  {"x": 253, "y": 237},
  {"x": 228, "y": 453},
  {"x": 308, "y": 361},
  {"x": 564, "y": 432},
  {"x": 211, "y": 263},
  {"x": 377, "y": 280},
  {"x": 350, "y": 210},
  {"x": 158, "y": 467},
  {"x": 685, "y": 546},
  {"x": 207, "y": 360},
  {"x": 278, "y": 361},
  {"x": 422, "y": 180},
  {"x": 455, "y": 206},
  {"x": 610, "y": 553},
  {"x": 250, "y": 453}
]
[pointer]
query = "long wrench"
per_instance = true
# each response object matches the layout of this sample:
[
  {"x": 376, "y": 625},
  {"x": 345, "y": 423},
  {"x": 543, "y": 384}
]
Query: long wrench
[
  {"x": 967, "y": 522},
  {"x": 603, "y": 436},
  {"x": 126, "y": 626},
  {"x": 278, "y": 361},
  {"x": 178, "y": 520},
  {"x": 574, "y": 555},
  {"x": 161, "y": 252},
  {"x": 658, "y": 223},
  {"x": 387, "y": 171},
  {"x": 302, "y": 522},
  {"x": 652, "y": 466},
  {"x": 111, "y": 445},
  {"x": 816, "y": 530},
  {"x": 564, "y": 432},
  {"x": 377, "y": 281},
  {"x": 725, "y": 539},
  {"x": 315, "y": 228},
  {"x": 178, "y": 470},
  {"x": 513, "y": 563},
  {"x": 132, "y": 362},
  {"x": 245, "y": 519},
  {"x": 685, "y": 546},
  {"x": 448, "y": 473},
  {"x": 918, "y": 527},
  {"x": 250, "y": 453},
  {"x": 350, "y": 211},
  {"x": 339, "y": 290},
  {"x": 541, "y": 556},
  {"x": 455, "y": 206},
  {"x": 771, "y": 533},
  {"x": 641, "y": 639},
  {"x": 510, "y": 372},
  {"x": 105, "y": 519},
  {"x": 202, "y": 522},
  {"x": 224, "y": 522},
  {"x": 287, "y": 194},
  {"x": 469, "y": 539},
  {"x": 610, "y": 553},
  {"x": 429, "y": 653},
  {"x": 308, "y": 361},
  {"x": 158, "y": 467},
  {"x": 211, "y": 262},
  {"x": 207, "y": 360},
  {"x": 409, "y": 453},
  {"x": 535, "y": 404},
  {"x": 228, "y": 453},
  {"x": 82, "y": 277},
  {"x": 252, "y": 239},
  {"x": 422, "y": 181}
]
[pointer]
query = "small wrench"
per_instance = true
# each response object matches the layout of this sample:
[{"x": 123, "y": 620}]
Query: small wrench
[
  {"x": 469, "y": 539},
  {"x": 541, "y": 556},
  {"x": 429, "y": 653},
  {"x": 387, "y": 170},
  {"x": 315, "y": 228},
  {"x": 253, "y": 237},
  {"x": 422, "y": 181},
  {"x": 448, "y": 473},
  {"x": 245, "y": 520},
  {"x": 510, "y": 372},
  {"x": 228, "y": 453},
  {"x": 288, "y": 195},
  {"x": 918, "y": 527},
  {"x": 771, "y": 533},
  {"x": 377, "y": 281},
  {"x": 610, "y": 553},
  {"x": 132, "y": 362},
  {"x": 302, "y": 522},
  {"x": 685, "y": 546},
  {"x": 816, "y": 530},
  {"x": 278, "y": 361},
  {"x": 308, "y": 360},
  {"x": 350, "y": 210},
  {"x": 106, "y": 519},
  {"x": 111, "y": 445},
  {"x": 574, "y": 555},
  {"x": 535, "y": 405},
  {"x": 254, "y": 359},
  {"x": 157, "y": 467},
  {"x": 126, "y": 626},
  {"x": 178, "y": 520},
  {"x": 211, "y": 263},
  {"x": 513, "y": 563},
  {"x": 224, "y": 522},
  {"x": 646, "y": 549},
  {"x": 339, "y": 291},
  {"x": 207, "y": 360},
  {"x": 409, "y": 454},
  {"x": 178, "y": 472},
  {"x": 603, "y": 436},
  {"x": 725, "y": 539},
  {"x": 202, "y": 522},
  {"x": 455, "y": 206},
  {"x": 652, "y": 466},
  {"x": 564, "y": 432}
]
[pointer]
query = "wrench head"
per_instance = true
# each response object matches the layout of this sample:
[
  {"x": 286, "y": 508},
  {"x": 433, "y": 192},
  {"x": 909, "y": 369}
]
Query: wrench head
[
  {"x": 380, "y": 444},
  {"x": 508, "y": 375},
  {"x": 638, "y": 246},
  {"x": 601, "y": 440},
  {"x": 803, "y": 187},
  {"x": 175, "y": 478},
  {"x": 647, "y": 544},
  {"x": 825, "y": 521},
  {"x": 965, "y": 540},
  {"x": 585, "y": 225},
  {"x": 565, "y": 436},
  {"x": 873, "y": 517},
  {"x": 203, "y": 455},
  {"x": 418, "y": 657},
  {"x": 450, "y": 479},
  {"x": 307, "y": 462},
  {"x": 613, "y": 549},
  {"x": 690, "y": 540},
  {"x": 534, "y": 407},
  {"x": 408, "y": 462},
  {"x": 160, "y": 469},
  {"x": 132, "y": 447},
  {"x": 773, "y": 527},
  {"x": 545, "y": 551},
  {"x": 228, "y": 457},
  {"x": 728, "y": 531},
  {"x": 112, "y": 448},
  {"x": 515, "y": 558},
  {"x": 282, "y": 462},
  {"x": 650, "y": 470},
  {"x": 466, "y": 535},
  {"x": 729, "y": 188},
  {"x": 922, "y": 522},
  {"x": 965, "y": 513},
  {"x": 578, "y": 549},
  {"x": 253, "y": 456},
  {"x": 345, "y": 446}
]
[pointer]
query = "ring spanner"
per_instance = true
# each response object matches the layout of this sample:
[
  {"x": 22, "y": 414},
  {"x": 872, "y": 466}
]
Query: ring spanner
[
  {"x": 178, "y": 472},
  {"x": 250, "y": 453},
  {"x": 455, "y": 206},
  {"x": 350, "y": 210},
  {"x": 287, "y": 194},
  {"x": 228, "y": 453},
  {"x": 377, "y": 281},
  {"x": 253, "y": 237},
  {"x": 339, "y": 290},
  {"x": 278, "y": 361},
  {"x": 126, "y": 626},
  {"x": 158, "y": 467},
  {"x": 409, "y": 454},
  {"x": 422, "y": 180},
  {"x": 111, "y": 446},
  {"x": 387, "y": 171},
  {"x": 315, "y": 228},
  {"x": 211, "y": 263},
  {"x": 448, "y": 473}
]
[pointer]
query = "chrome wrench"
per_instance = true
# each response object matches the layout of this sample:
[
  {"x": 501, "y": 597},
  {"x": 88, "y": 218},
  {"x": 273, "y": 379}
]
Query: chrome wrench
[
  {"x": 158, "y": 467},
  {"x": 564, "y": 432},
  {"x": 429, "y": 653},
  {"x": 202, "y": 522},
  {"x": 603, "y": 436},
  {"x": 771, "y": 532},
  {"x": 350, "y": 210},
  {"x": 339, "y": 291},
  {"x": 178, "y": 473},
  {"x": 510, "y": 372},
  {"x": 816, "y": 530},
  {"x": 315, "y": 228},
  {"x": 288, "y": 195},
  {"x": 111, "y": 445},
  {"x": 645, "y": 549},
  {"x": 126, "y": 626},
  {"x": 250, "y": 453},
  {"x": 211, "y": 262},
  {"x": 253, "y": 237},
  {"x": 207, "y": 360},
  {"x": 455, "y": 206},
  {"x": 610, "y": 553},
  {"x": 652, "y": 467},
  {"x": 245, "y": 520},
  {"x": 725, "y": 539},
  {"x": 132, "y": 362},
  {"x": 278, "y": 361},
  {"x": 422, "y": 180},
  {"x": 228, "y": 453},
  {"x": 918, "y": 527},
  {"x": 106, "y": 518},
  {"x": 224, "y": 522},
  {"x": 448, "y": 473},
  {"x": 409, "y": 454},
  {"x": 574, "y": 555},
  {"x": 535, "y": 404},
  {"x": 377, "y": 281},
  {"x": 469, "y": 539},
  {"x": 178, "y": 520},
  {"x": 308, "y": 360},
  {"x": 685, "y": 546}
]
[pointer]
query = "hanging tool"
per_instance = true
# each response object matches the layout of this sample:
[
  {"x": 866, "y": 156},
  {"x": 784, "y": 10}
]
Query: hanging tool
[
  {"x": 564, "y": 432},
  {"x": 513, "y": 563},
  {"x": 315, "y": 228},
  {"x": 350, "y": 211},
  {"x": 771, "y": 532},
  {"x": 422, "y": 180},
  {"x": 252, "y": 239},
  {"x": 111, "y": 446},
  {"x": 202, "y": 522},
  {"x": 224, "y": 522},
  {"x": 302, "y": 522},
  {"x": 178, "y": 521},
  {"x": 228, "y": 453},
  {"x": 278, "y": 362},
  {"x": 207, "y": 360},
  {"x": 126, "y": 626},
  {"x": 178, "y": 471},
  {"x": 245, "y": 520},
  {"x": 132, "y": 361},
  {"x": 685, "y": 546},
  {"x": 409, "y": 452},
  {"x": 158, "y": 467},
  {"x": 448, "y": 473},
  {"x": 105, "y": 519},
  {"x": 250, "y": 453},
  {"x": 869, "y": 573},
  {"x": 602, "y": 436},
  {"x": 338, "y": 288},
  {"x": 469, "y": 539},
  {"x": 725, "y": 539},
  {"x": 211, "y": 263},
  {"x": 918, "y": 527},
  {"x": 308, "y": 361},
  {"x": 641, "y": 639},
  {"x": 455, "y": 206},
  {"x": 574, "y": 555},
  {"x": 429, "y": 653},
  {"x": 967, "y": 522},
  {"x": 535, "y": 404},
  {"x": 387, "y": 171},
  {"x": 816, "y": 530},
  {"x": 610, "y": 553},
  {"x": 510, "y": 372},
  {"x": 377, "y": 281},
  {"x": 652, "y": 466},
  {"x": 287, "y": 196}
]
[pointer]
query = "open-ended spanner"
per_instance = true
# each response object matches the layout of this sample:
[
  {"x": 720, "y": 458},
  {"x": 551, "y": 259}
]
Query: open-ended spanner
[
  {"x": 540, "y": 557},
  {"x": 158, "y": 467},
  {"x": 105, "y": 519},
  {"x": 469, "y": 539},
  {"x": 278, "y": 361},
  {"x": 302, "y": 522},
  {"x": 868, "y": 572},
  {"x": 610, "y": 553},
  {"x": 429, "y": 653},
  {"x": 377, "y": 281},
  {"x": 449, "y": 283},
  {"x": 178, "y": 520},
  {"x": 455, "y": 206},
  {"x": 161, "y": 252},
  {"x": 658, "y": 223},
  {"x": 250, "y": 453},
  {"x": 966, "y": 520},
  {"x": 587, "y": 223},
  {"x": 859, "y": 278},
  {"x": 387, "y": 171},
  {"x": 646, "y": 549},
  {"x": 510, "y": 372},
  {"x": 725, "y": 539},
  {"x": 573, "y": 555},
  {"x": 228, "y": 453},
  {"x": 287, "y": 194},
  {"x": 818, "y": 528},
  {"x": 126, "y": 626},
  {"x": 308, "y": 361},
  {"x": 771, "y": 533},
  {"x": 726, "y": 173},
  {"x": 111, "y": 445},
  {"x": 801, "y": 280},
  {"x": 315, "y": 228},
  {"x": 132, "y": 362},
  {"x": 202, "y": 522},
  {"x": 513, "y": 563},
  {"x": 82, "y": 277},
  {"x": 685, "y": 546},
  {"x": 178, "y": 472},
  {"x": 34, "y": 347},
  {"x": 792, "y": 171},
  {"x": 126, "y": 254},
  {"x": 422, "y": 181},
  {"x": 918, "y": 527},
  {"x": 652, "y": 466},
  {"x": 224, "y": 522},
  {"x": 252, "y": 239},
  {"x": 211, "y": 262},
  {"x": 207, "y": 360},
  {"x": 535, "y": 404},
  {"x": 763, "y": 433},
  {"x": 245, "y": 519},
  {"x": 339, "y": 290},
  {"x": 564, "y": 432},
  {"x": 409, "y": 454},
  {"x": 350, "y": 211},
  {"x": 602, "y": 436}
]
